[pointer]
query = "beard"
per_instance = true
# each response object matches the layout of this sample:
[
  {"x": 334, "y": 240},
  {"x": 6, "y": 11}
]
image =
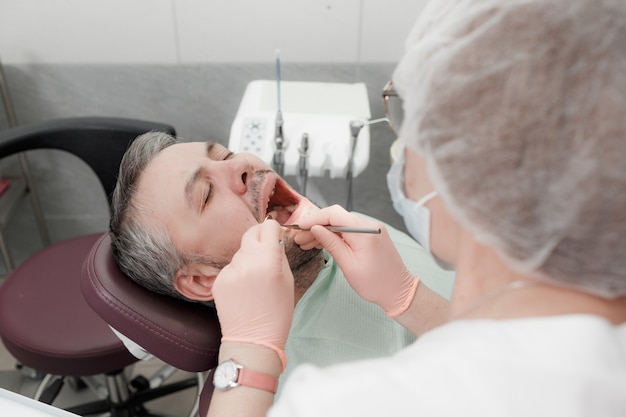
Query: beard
[{"x": 304, "y": 264}]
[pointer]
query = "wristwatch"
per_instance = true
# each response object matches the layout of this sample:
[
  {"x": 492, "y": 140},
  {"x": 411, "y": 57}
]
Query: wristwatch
[{"x": 229, "y": 374}]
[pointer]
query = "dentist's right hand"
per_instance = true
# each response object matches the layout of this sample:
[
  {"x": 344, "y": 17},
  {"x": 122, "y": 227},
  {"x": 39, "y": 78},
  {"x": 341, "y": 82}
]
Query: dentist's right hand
[
  {"x": 254, "y": 294},
  {"x": 370, "y": 263}
]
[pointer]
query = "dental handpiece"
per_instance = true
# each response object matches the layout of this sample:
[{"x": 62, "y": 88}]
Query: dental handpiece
[
  {"x": 303, "y": 162},
  {"x": 279, "y": 157},
  {"x": 279, "y": 137},
  {"x": 279, "y": 142},
  {"x": 355, "y": 129}
]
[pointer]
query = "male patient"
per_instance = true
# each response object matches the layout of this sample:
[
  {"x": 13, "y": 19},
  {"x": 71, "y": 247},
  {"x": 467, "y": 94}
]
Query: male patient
[{"x": 178, "y": 214}]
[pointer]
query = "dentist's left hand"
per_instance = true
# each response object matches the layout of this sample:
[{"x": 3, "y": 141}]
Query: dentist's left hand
[{"x": 254, "y": 294}]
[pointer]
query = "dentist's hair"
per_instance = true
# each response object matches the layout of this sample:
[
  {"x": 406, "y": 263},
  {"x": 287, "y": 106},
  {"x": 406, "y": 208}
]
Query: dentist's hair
[{"x": 519, "y": 109}]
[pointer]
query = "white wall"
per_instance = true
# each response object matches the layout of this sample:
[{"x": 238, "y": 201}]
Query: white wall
[{"x": 203, "y": 31}]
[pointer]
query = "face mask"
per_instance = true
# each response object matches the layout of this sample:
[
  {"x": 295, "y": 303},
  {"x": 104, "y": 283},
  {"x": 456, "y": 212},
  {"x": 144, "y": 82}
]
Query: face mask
[{"x": 416, "y": 216}]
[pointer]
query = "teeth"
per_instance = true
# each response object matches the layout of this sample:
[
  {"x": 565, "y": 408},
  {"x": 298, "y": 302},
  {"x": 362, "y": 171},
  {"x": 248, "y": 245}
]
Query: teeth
[
  {"x": 289, "y": 209},
  {"x": 273, "y": 213},
  {"x": 267, "y": 206},
  {"x": 281, "y": 214},
  {"x": 274, "y": 209}
]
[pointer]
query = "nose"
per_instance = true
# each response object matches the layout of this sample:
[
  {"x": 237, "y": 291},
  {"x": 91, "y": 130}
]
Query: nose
[{"x": 237, "y": 171}]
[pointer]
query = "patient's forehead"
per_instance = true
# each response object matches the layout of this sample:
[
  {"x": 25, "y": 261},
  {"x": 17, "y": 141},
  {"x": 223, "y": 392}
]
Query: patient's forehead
[
  {"x": 183, "y": 150},
  {"x": 163, "y": 179},
  {"x": 175, "y": 160}
]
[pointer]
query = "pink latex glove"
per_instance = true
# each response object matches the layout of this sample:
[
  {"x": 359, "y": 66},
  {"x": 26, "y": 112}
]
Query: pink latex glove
[
  {"x": 370, "y": 263},
  {"x": 254, "y": 294}
]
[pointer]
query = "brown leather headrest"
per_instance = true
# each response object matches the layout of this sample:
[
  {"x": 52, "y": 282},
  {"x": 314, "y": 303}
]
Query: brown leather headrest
[{"x": 183, "y": 334}]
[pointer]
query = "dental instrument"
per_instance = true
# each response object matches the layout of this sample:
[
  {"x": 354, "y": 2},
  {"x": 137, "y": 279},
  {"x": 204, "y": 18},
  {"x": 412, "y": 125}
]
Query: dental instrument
[
  {"x": 279, "y": 138},
  {"x": 339, "y": 229},
  {"x": 303, "y": 162}
]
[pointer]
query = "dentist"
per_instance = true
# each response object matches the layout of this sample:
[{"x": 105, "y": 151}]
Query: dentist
[{"x": 512, "y": 171}]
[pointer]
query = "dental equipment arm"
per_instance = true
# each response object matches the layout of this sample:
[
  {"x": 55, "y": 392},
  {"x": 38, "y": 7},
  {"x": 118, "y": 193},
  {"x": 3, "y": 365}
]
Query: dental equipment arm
[
  {"x": 374, "y": 269},
  {"x": 355, "y": 129}
]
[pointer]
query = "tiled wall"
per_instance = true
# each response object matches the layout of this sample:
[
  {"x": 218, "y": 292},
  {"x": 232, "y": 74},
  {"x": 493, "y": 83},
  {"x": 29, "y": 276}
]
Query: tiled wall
[{"x": 193, "y": 31}]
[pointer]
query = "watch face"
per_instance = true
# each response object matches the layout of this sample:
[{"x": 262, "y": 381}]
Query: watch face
[{"x": 225, "y": 375}]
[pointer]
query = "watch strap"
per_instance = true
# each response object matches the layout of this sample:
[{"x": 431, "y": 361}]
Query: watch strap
[{"x": 260, "y": 380}]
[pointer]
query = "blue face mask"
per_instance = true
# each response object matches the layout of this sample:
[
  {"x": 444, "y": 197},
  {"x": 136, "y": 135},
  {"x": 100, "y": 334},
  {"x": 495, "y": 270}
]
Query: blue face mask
[{"x": 416, "y": 216}]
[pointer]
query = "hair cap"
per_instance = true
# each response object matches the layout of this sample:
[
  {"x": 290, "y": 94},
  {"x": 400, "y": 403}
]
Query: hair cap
[{"x": 519, "y": 109}]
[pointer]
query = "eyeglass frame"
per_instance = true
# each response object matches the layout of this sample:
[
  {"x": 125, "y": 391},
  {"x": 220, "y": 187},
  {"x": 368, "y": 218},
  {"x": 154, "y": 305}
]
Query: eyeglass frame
[{"x": 389, "y": 93}]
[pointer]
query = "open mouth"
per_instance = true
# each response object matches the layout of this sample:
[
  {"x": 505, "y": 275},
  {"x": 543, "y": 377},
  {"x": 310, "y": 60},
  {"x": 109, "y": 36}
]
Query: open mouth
[{"x": 282, "y": 202}]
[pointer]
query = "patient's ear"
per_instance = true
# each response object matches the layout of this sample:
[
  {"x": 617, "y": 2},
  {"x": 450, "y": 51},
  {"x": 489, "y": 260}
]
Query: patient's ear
[{"x": 196, "y": 281}]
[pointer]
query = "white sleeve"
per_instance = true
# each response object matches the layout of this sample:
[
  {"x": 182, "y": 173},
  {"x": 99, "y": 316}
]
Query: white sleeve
[{"x": 294, "y": 401}]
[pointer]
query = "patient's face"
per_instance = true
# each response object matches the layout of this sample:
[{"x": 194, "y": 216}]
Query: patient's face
[{"x": 207, "y": 197}]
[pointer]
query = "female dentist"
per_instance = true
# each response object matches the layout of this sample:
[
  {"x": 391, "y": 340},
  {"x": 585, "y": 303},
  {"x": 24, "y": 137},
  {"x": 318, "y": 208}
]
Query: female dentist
[{"x": 513, "y": 171}]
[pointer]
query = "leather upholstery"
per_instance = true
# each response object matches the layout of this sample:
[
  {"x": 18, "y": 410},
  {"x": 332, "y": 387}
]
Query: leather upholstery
[
  {"x": 183, "y": 334},
  {"x": 44, "y": 320},
  {"x": 51, "y": 328}
]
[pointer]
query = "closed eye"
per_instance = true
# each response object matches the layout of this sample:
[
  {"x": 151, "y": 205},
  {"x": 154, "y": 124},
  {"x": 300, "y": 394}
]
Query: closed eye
[
  {"x": 207, "y": 189},
  {"x": 207, "y": 195},
  {"x": 216, "y": 152}
]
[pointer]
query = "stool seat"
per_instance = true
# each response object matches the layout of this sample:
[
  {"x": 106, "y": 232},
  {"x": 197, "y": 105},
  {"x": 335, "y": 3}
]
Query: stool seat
[{"x": 45, "y": 321}]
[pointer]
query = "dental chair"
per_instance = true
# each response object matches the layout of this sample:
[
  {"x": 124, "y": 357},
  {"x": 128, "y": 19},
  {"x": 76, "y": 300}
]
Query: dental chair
[
  {"x": 45, "y": 322},
  {"x": 183, "y": 334}
]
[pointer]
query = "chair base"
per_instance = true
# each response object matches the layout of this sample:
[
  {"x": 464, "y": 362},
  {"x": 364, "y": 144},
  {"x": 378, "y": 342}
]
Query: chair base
[{"x": 122, "y": 401}]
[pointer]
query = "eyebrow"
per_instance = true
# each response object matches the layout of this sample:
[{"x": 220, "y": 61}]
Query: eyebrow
[{"x": 193, "y": 179}]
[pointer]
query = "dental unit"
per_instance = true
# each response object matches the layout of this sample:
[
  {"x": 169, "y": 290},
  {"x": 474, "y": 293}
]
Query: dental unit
[{"x": 327, "y": 122}]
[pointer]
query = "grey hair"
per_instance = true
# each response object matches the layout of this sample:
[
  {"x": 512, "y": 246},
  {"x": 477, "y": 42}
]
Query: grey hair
[{"x": 143, "y": 252}]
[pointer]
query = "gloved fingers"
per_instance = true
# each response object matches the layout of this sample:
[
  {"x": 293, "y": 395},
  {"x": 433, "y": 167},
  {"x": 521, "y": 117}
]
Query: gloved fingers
[
  {"x": 254, "y": 293},
  {"x": 370, "y": 263},
  {"x": 306, "y": 240},
  {"x": 351, "y": 250},
  {"x": 333, "y": 243},
  {"x": 286, "y": 270},
  {"x": 261, "y": 262},
  {"x": 338, "y": 216},
  {"x": 269, "y": 233},
  {"x": 334, "y": 215}
]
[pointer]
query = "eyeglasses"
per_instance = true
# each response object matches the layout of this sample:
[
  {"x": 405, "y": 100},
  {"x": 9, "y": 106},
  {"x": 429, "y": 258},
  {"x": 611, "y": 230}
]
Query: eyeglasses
[{"x": 393, "y": 107}]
